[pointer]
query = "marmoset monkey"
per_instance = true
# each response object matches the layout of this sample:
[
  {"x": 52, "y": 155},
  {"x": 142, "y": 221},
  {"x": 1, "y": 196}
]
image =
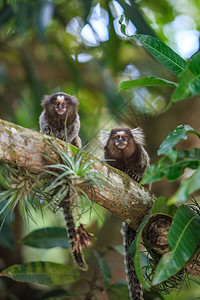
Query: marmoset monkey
[
  {"x": 123, "y": 149},
  {"x": 60, "y": 111}
]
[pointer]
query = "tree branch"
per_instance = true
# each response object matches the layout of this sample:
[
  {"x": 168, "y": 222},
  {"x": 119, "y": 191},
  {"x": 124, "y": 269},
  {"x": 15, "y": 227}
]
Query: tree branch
[{"x": 24, "y": 148}]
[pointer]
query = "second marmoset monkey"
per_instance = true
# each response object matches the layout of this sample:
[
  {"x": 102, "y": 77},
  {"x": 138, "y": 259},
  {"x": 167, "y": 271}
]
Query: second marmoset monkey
[
  {"x": 123, "y": 149},
  {"x": 60, "y": 112}
]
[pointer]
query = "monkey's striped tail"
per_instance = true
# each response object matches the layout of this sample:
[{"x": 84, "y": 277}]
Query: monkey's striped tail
[
  {"x": 74, "y": 236},
  {"x": 134, "y": 285}
]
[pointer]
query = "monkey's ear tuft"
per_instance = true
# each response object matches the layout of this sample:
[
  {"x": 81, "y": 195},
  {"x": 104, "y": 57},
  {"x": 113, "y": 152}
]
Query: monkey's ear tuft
[
  {"x": 45, "y": 99},
  {"x": 103, "y": 138},
  {"x": 74, "y": 99},
  {"x": 138, "y": 136}
]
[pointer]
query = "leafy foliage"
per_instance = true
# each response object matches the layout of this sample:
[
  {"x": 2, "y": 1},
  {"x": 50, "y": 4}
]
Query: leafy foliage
[
  {"x": 188, "y": 73},
  {"x": 175, "y": 161}
]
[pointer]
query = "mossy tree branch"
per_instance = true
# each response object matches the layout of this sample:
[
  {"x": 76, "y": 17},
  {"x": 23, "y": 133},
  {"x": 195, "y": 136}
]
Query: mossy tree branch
[{"x": 24, "y": 148}]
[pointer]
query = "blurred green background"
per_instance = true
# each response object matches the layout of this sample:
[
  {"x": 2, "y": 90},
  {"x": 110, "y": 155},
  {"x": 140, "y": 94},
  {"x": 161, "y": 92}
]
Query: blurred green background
[{"x": 76, "y": 47}]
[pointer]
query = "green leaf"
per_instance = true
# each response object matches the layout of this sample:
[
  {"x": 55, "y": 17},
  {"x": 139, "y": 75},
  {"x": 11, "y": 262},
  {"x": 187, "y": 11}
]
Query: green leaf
[
  {"x": 145, "y": 81},
  {"x": 118, "y": 291},
  {"x": 183, "y": 238},
  {"x": 46, "y": 273},
  {"x": 187, "y": 187},
  {"x": 180, "y": 133},
  {"x": 189, "y": 80},
  {"x": 162, "y": 53},
  {"x": 172, "y": 170},
  {"x": 46, "y": 238},
  {"x": 105, "y": 269},
  {"x": 161, "y": 206},
  {"x": 135, "y": 252}
]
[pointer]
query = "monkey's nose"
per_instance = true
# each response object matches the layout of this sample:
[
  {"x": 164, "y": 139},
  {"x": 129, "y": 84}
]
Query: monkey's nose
[{"x": 120, "y": 144}]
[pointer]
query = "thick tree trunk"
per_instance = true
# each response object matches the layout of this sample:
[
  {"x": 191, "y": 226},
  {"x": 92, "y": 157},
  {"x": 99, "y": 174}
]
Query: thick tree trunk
[{"x": 24, "y": 148}]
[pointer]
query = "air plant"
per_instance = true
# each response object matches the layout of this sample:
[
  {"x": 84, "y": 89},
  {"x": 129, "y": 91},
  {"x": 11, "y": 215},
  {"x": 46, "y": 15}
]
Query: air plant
[{"x": 68, "y": 173}]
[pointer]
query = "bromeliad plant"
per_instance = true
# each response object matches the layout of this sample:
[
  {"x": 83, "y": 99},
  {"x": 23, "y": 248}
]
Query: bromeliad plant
[
  {"x": 53, "y": 184},
  {"x": 73, "y": 173}
]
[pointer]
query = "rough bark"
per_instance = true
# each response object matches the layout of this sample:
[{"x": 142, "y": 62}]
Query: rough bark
[{"x": 24, "y": 148}]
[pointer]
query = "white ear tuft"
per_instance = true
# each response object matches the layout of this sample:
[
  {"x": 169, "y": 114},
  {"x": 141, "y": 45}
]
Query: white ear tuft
[
  {"x": 45, "y": 99},
  {"x": 138, "y": 136},
  {"x": 103, "y": 138}
]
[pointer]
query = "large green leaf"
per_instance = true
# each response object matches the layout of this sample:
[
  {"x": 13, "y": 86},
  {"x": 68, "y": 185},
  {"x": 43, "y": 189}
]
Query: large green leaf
[
  {"x": 105, "y": 269},
  {"x": 162, "y": 53},
  {"x": 183, "y": 238},
  {"x": 47, "y": 273},
  {"x": 188, "y": 186},
  {"x": 173, "y": 165},
  {"x": 165, "y": 167},
  {"x": 189, "y": 80},
  {"x": 145, "y": 81},
  {"x": 46, "y": 238}
]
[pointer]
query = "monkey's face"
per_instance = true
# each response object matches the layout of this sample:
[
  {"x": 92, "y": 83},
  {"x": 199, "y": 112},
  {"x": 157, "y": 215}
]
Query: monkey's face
[
  {"x": 121, "y": 142},
  {"x": 121, "y": 139},
  {"x": 61, "y": 104}
]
